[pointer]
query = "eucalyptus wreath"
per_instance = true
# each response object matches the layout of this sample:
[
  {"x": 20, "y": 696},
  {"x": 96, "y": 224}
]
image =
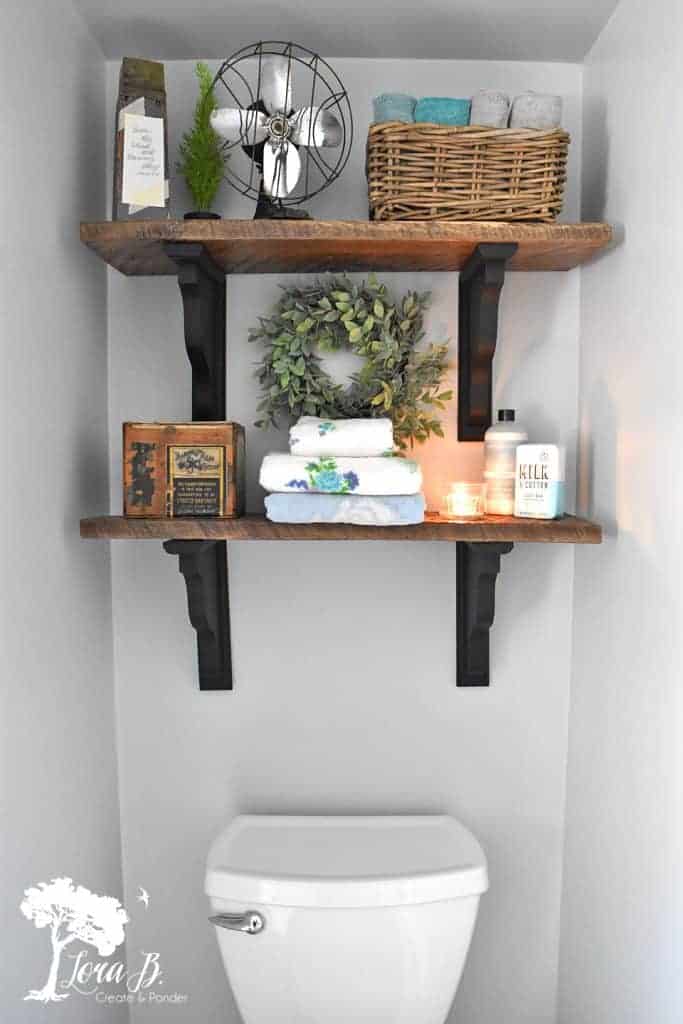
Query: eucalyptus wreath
[{"x": 397, "y": 378}]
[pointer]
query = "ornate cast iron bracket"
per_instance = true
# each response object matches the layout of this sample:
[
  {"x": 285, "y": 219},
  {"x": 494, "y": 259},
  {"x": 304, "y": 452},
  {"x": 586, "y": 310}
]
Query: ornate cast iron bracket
[
  {"x": 204, "y": 564},
  {"x": 481, "y": 280},
  {"x": 477, "y": 566},
  {"x": 202, "y": 286}
]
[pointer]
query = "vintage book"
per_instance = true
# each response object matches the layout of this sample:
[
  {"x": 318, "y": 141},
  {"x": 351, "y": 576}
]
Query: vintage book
[
  {"x": 141, "y": 189},
  {"x": 183, "y": 469}
]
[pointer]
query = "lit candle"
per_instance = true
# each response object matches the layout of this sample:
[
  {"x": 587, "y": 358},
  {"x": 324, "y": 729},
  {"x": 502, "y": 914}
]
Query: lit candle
[{"x": 464, "y": 501}]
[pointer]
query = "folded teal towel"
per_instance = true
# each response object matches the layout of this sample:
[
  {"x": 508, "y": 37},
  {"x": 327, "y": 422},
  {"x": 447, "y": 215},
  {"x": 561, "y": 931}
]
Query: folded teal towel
[
  {"x": 394, "y": 106},
  {"x": 442, "y": 110},
  {"x": 394, "y": 510}
]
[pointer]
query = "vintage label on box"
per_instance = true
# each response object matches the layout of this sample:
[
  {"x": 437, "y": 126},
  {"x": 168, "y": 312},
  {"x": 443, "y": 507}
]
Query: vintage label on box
[
  {"x": 196, "y": 480},
  {"x": 183, "y": 469},
  {"x": 144, "y": 182},
  {"x": 141, "y": 487}
]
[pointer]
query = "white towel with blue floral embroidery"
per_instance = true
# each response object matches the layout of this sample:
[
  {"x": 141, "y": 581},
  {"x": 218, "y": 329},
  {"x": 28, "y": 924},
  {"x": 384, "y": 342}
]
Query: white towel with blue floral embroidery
[
  {"x": 358, "y": 437},
  {"x": 327, "y": 475}
]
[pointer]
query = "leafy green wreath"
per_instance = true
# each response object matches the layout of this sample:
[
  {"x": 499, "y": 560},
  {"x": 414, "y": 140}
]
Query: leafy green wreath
[{"x": 396, "y": 379}]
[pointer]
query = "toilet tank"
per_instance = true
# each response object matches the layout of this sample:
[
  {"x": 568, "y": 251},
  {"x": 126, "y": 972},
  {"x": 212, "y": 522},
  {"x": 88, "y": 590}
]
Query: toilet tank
[{"x": 363, "y": 919}]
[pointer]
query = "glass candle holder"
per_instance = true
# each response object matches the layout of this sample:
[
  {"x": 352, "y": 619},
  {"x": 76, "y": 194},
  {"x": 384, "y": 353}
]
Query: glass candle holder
[{"x": 464, "y": 501}]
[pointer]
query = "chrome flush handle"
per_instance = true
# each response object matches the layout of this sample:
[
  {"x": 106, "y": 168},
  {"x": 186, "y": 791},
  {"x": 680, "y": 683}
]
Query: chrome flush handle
[{"x": 250, "y": 922}]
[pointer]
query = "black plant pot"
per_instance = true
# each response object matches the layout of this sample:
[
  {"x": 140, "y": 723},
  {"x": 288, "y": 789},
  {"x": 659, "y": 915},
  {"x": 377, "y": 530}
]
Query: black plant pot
[{"x": 202, "y": 215}]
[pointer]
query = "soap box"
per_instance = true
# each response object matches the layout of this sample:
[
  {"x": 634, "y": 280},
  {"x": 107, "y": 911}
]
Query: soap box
[
  {"x": 183, "y": 469},
  {"x": 539, "y": 481}
]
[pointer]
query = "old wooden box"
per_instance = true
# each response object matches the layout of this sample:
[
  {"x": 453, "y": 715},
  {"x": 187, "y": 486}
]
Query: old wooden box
[{"x": 183, "y": 469}]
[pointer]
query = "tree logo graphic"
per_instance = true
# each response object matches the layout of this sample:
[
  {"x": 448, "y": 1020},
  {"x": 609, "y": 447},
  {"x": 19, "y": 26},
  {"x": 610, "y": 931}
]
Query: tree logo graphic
[{"x": 72, "y": 913}]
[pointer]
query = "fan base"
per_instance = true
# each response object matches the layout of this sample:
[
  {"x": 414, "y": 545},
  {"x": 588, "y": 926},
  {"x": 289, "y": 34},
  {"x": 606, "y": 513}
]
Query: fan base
[{"x": 266, "y": 209}]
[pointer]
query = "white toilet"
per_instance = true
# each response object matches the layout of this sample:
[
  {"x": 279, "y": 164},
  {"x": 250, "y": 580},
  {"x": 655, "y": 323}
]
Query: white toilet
[{"x": 345, "y": 920}]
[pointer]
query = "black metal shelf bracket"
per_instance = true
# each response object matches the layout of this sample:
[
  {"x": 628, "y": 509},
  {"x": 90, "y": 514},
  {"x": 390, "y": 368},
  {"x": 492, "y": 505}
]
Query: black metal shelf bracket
[
  {"x": 481, "y": 281},
  {"x": 204, "y": 564},
  {"x": 477, "y": 566},
  {"x": 202, "y": 286},
  {"x": 206, "y": 577}
]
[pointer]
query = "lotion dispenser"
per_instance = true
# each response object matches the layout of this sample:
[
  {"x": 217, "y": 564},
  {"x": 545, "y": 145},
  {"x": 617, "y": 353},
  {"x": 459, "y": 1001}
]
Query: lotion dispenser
[{"x": 500, "y": 450}]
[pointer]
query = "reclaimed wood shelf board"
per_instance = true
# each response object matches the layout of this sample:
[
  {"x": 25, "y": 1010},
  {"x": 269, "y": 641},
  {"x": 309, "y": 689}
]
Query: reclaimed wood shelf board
[
  {"x": 137, "y": 248},
  {"x": 490, "y": 529}
]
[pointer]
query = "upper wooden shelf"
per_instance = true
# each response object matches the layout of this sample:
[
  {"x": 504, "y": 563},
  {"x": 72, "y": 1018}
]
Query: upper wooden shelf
[
  {"x": 278, "y": 247},
  {"x": 490, "y": 529}
]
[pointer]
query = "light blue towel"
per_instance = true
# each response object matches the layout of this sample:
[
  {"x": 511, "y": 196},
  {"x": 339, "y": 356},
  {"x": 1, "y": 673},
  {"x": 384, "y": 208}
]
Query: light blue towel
[
  {"x": 393, "y": 510},
  {"x": 443, "y": 110},
  {"x": 394, "y": 106}
]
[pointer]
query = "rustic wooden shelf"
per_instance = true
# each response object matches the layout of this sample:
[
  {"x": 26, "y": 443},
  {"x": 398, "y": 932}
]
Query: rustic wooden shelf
[
  {"x": 283, "y": 247},
  {"x": 491, "y": 529}
]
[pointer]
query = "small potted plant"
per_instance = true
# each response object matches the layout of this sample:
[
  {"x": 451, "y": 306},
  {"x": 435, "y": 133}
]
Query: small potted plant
[{"x": 202, "y": 160}]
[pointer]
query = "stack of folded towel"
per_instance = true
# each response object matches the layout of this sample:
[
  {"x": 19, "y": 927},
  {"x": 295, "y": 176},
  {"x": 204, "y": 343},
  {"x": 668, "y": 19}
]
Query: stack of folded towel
[
  {"x": 489, "y": 108},
  {"x": 342, "y": 471}
]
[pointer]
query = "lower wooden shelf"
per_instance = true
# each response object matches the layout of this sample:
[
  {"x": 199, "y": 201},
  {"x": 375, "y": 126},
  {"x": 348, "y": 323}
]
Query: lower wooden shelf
[{"x": 490, "y": 529}]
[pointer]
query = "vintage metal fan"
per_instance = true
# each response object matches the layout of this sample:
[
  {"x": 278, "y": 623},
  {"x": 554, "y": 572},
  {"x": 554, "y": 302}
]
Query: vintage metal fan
[{"x": 291, "y": 117}]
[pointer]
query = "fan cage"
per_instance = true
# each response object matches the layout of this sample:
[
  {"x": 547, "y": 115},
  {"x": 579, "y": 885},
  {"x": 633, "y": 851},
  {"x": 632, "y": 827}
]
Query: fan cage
[{"x": 335, "y": 99}]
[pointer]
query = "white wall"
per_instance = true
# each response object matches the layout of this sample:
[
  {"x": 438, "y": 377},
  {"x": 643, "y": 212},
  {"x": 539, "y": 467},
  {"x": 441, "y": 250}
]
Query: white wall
[
  {"x": 622, "y": 909},
  {"x": 59, "y": 803},
  {"x": 344, "y": 656}
]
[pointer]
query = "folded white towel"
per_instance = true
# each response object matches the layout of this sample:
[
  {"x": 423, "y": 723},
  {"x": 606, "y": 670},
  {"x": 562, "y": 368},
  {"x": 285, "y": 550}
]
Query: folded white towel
[
  {"x": 314, "y": 436},
  {"x": 490, "y": 108},
  {"x": 328, "y": 475}
]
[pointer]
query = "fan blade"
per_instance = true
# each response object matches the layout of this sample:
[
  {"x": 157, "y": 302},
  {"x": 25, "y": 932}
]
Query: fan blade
[
  {"x": 276, "y": 84},
  {"x": 281, "y": 169},
  {"x": 233, "y": 125},
  {"x": 313, "y": 126}
]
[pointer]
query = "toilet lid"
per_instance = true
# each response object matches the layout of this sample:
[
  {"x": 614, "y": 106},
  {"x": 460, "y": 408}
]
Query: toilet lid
[{"x": 345, "y": 861}]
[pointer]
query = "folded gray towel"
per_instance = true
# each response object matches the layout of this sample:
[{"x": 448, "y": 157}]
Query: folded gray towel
[{"x": 536, "y": 110}]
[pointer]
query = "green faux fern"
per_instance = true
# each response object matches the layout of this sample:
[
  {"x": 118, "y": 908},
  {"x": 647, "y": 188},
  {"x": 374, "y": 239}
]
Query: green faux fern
[{"x": 201, "y": 158}]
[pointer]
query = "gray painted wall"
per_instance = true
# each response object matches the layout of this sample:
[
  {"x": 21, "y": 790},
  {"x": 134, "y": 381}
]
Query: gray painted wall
[
  {"x": 60, "y": 811},
  {"x": 622, "y": 911},
  {"x": 344, "y": 655},
  {"x": 549, "y": 30}
]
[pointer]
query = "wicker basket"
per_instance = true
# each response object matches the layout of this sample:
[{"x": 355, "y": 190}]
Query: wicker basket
[{"x": 432, "y": 172}]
